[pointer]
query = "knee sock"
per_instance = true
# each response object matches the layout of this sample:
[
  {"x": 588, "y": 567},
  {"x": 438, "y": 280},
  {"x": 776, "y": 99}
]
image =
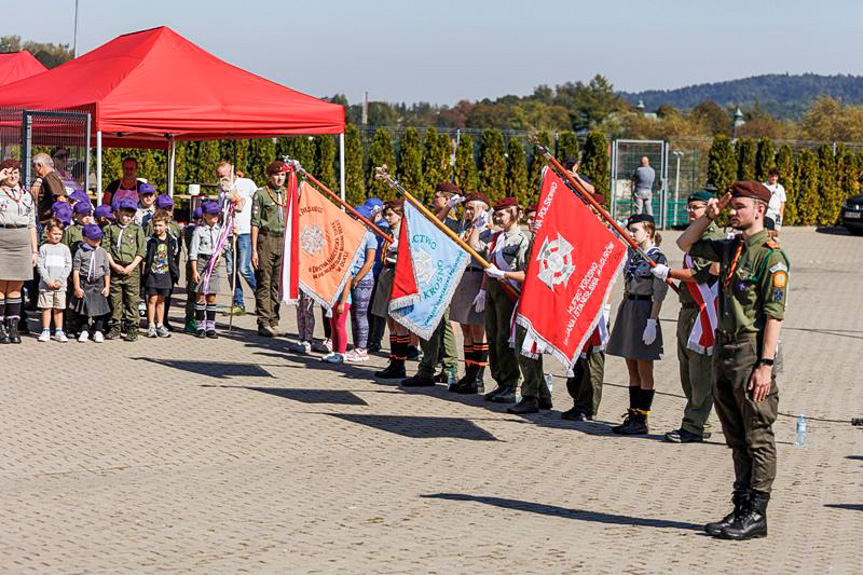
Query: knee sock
[
  {"x": 469, "y": 357},
  {"x": 13, "y": 309},
  {"x": 200, "y": 310},
  {"x": 402, "y": 344},
  {"x": 646, "y": 400},
  {"x": 634, "y": 397},
  {"x": 481, "y": 355},
  {"x": 2, "y": 312},
  {"x": 394, "y": 343},
  {"x": 211, "y": 318}
]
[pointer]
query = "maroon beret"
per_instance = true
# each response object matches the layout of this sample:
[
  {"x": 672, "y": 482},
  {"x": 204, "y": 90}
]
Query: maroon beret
[
  {"x": 531, "y": 208},
  {"x": 750, "y": 189},
  {"x": 477, "y": 197},
  {"x": 396, "y": 203},
  {"x": 448, "y": 188},
  {"x": 506, "y": 203},
  {"x": 276, "y": 167},
  {"x": 10, "y": 163}
]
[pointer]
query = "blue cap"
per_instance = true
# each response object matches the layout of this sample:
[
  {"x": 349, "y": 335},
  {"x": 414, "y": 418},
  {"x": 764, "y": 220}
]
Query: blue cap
[
  {"x": 374, "y": 204},
  {"x": 92, "y": 232},
  {"x": 83, "y": 207},
  {"x": 210, "y": 208},
  {"x": 103, "y": 211},
  {"x": 126, "y": 204},
  {"x": 79, "y": 196},
  {"x": 164, "y": 201},
  {"x": 144, "y": 189},
  {"x": 364, "y": 211},
  {"x": 197, "y": 213}
]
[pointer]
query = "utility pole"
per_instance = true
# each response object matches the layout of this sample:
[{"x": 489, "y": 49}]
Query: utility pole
[{"x": 75, "y": 34}]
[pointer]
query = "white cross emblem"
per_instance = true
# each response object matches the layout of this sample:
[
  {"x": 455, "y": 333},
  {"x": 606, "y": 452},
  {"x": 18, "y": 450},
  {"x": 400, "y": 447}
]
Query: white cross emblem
[{"x": 555, "y": 262}]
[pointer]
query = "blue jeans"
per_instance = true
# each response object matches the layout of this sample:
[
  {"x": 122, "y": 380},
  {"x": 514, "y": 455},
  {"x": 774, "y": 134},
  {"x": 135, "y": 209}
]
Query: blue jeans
[{"x": 244, "y": 250}]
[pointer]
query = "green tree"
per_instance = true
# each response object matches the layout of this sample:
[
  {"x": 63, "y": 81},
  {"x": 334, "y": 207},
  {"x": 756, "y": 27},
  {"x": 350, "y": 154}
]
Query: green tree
[
  {"x": 261, "y": 153},
  {"x": 764, "y": 159},
  {"x": 807, "y": 183},
  {"x": 205, "y": 164},
  {"x": 410, "y": 162},
  {"x": 50, "y": 55},
  {"x": 712, "y": 117},
  {"x": 785, "y": 165},
  {"x": 300, "y": 148},
  {"x": 435, "y": 160},
  {"x": 745, "y": 150},
  {"x": 567, "y": 145},
  {"x": 493, "y": 165},
  {"x": 537, "y": 162},
  {"x": 849, "y": 173},
  {"x": 465, "y": 165},
  {"x": 355, "y": 191},
  {"x": 595, "y": 163},
  {"x": 831, "y": 194},
  {"x": 721, "y": 163},
  {"x": 380, "y": 153},
  {"x": 325, "y": 161},
  {"x": 516, "y": 171}
]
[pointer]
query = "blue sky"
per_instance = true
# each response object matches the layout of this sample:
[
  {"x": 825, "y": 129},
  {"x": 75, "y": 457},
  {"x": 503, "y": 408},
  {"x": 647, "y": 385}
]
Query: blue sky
[{"x": 447, "y": 50}]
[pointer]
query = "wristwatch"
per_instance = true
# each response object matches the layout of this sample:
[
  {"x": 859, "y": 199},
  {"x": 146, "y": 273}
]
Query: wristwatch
[{"x": 765, "y": 361}]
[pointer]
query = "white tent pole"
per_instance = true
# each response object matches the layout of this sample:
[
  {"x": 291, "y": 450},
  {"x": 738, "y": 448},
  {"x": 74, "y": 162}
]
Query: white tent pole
[
  {"x": 172, "y": 164},
  {"x": 342, "y": 164},
  {"x": 99, "y": 167}
]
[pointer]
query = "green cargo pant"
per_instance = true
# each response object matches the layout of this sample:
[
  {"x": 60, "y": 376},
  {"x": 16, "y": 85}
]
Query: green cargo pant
[
  {"x": 696, "y": 376},
  {"x": 502, "y": 360},
  {"x": 747, "y": 425},
  {"x": 533, "y": 379},
  {"x": 125, "y": 296},
  {"x": 585, "y": 387},
  {"x": 270, "y": 248},
  {"x": 431, "y": 349}
]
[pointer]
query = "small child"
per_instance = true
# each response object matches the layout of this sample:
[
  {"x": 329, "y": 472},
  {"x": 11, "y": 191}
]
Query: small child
[
  {"x": 104, "y": 215},
  {"x": 55, "y": 264},
  {"x": 147, "y": 200},
  {"x": 81, "y": 216},
  {"x": 204, "y": 248},
  {"x": 188, "y": 232},
  {"x": 91, "y": 278},
  {"x": 160, "y": 273},
  {"x": 126, "y": 246},
  {"x": 341, "y": 312}
]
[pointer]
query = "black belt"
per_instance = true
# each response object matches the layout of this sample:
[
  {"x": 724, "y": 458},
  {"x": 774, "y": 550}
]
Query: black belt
[
  {"x": 266, "y": 233},
  {"x": 728, "y": 337},
  {"x": 14, "y": 226},
  {"x": 638, "y": 297}
]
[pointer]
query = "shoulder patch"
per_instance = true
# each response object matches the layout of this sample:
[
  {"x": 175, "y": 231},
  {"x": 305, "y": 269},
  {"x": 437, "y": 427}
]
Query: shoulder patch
[
  {"x": 772, "y": 245},
  {"x": 780, "y": 267},
  {"x": 780, "y": 280}
]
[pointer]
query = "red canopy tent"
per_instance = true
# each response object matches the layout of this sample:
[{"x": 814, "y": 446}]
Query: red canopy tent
[
  {"x": 151, "y": 88},
  {"x": 16, "y": 66}
]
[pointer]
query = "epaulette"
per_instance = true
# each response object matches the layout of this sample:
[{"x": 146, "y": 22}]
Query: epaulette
[{"x": 772, "y": 245}]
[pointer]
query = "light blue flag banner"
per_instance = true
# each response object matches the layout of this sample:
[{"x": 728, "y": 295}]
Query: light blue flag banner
[{"x": 428, "y": 270}]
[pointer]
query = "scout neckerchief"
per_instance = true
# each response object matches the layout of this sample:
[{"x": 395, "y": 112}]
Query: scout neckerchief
[
  {"x": 91, "y": 267},
  {"x": 498, "y": 259},
  {"x": 17, "y": 199},
  {"x": 729, "y": 274},
  {"x": 120, "y": 237},
  {"x": 636, "y": 261}
]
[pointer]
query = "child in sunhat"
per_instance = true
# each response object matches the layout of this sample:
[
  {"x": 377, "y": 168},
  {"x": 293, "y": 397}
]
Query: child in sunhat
[
  {"x": 91, "y": 280},
  {"x": 204, "y": 248},
  {"x": 104, "y": 215}
]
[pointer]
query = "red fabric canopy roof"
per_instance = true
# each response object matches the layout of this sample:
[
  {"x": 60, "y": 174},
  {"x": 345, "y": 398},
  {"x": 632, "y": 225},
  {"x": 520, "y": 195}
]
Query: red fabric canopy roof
[
  {"x": 143, "y": 87},
  {"x": 16, "y": 66}
]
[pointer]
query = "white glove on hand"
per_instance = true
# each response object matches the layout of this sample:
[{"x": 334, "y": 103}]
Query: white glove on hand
[
  {"x": 661, "y": 271},
  {"x": 454, "y": 201},
  {"x": 481, "y": 220},
  {"x": 649, "y": 332},
  {"x": 479, "y": 301},
  {"x": 493, "y": 271}
]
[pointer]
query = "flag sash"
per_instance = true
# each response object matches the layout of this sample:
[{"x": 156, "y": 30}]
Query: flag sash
[{"x": 702, "y": 337}]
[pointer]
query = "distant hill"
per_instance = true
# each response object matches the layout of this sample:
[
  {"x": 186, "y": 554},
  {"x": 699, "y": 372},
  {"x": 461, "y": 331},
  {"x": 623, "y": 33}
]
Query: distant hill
[{"x": 785, "y": 96}]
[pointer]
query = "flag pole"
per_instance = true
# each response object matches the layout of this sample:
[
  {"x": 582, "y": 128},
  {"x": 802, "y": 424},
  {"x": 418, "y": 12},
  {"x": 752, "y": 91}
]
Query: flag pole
[
  {"x": 384, "y": 176},
  {"x": 579, "y": 189}
]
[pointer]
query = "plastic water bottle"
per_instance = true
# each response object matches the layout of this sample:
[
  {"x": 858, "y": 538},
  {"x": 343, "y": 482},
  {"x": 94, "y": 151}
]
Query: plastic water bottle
[
  {"x": 452, "y": 377},
  {"x": 549, "y": 381},
  {"x": 801, "y": 431}
]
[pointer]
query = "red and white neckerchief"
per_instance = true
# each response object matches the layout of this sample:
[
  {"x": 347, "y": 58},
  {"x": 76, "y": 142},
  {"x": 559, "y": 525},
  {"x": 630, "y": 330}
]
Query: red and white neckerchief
[{"x": 702, "y": 338}]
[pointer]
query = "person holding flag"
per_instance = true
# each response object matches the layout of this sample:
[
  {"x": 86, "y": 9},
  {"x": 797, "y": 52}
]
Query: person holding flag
[
  {"x": 696, "y": 324},
  {"x": 637, "y": 336},
  {"x": 268, "y": 230}
]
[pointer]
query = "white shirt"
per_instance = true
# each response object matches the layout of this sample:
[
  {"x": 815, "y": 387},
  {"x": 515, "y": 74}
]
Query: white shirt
[
  {"x": 245, "y": 188},
  {"x": 777, "y": 198}
]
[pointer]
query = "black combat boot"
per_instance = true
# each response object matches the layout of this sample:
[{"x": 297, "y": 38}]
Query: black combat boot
[
  {"x": 526, "y": 405},
  {"x": 635, "y": 424},
  {"x": 395, "y": 370},
  {"x": 418, "y": 381},
  {"x": 752, "y": 522},
  {"x": 14, "y": 336},
  {"x": 4, "y": 335},
  {"x": 627, "y": 421},
  {"x": 474, "y": 383},
  {"x": 739, "y": 498}
]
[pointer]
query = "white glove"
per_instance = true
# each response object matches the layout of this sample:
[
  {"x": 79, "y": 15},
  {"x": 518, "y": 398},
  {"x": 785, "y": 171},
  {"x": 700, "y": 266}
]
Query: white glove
[
  {"x": 661, "y": 271},
  {"x": 649, "y": 332},
  {"x": 479, "y": 301},
  {"x": 493, "y": 271},
  {"x": 481, "y": 220},
  {"x": 454, "y": 201}
]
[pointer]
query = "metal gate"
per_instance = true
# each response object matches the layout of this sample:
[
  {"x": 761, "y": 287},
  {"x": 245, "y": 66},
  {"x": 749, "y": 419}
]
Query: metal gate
[
  {"x": 51, "y": 132},
  {"x": 625, "y": 158}
]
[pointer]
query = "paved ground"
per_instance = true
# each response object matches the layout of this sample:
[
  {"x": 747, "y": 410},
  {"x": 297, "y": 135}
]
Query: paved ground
[{"x": 191, "y": 456}]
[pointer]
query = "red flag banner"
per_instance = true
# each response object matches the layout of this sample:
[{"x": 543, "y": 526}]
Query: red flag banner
[{"x": 573, "y": 263}]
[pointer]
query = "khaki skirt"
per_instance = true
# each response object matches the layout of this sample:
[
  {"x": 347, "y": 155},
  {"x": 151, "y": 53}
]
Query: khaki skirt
[
  {"x": 15, "y": 255},
  {"x": 461, "y": 309}
]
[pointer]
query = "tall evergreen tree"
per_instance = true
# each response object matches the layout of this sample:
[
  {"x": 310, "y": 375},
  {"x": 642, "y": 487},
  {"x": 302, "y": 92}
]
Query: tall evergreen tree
[
  {"x": 537, "y": 163},
  {"x": 380, "y": 153},
  {"x": 764, "y": 159},
  {"x": 567, "y": 145},
  {"x": 261, "y": 152},
  {"x": 849, "y": 173},
  {"x": 745, "y": 150},
  {"x": 595, "y": 163},
  {"x": 208, "y": 158},
  {"x": 831, "y": 194},
  {"x": 493, "y": 162},
  {"x": 465, "y": 165},
  {"x": 516, "y": 171},
  {"x": 325, "y": 161},
  {"x": 355, "y": 191},
  {"x": 807, "y": 182},
  {"x": 785, "y": 165},
  {"x": 721, "y": 163},
  {"x": 300, "y": 148},
  {"x": 435, "y": 160},
  {"x": 410, "y": 162}
]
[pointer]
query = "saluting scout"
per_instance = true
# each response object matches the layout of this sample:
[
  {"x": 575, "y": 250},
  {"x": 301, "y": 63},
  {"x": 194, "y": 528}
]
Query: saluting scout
[
  {"x": 753, "y": 287},
  {"x": 268, "y": 232},
  {"x": 126, "y": 246}
]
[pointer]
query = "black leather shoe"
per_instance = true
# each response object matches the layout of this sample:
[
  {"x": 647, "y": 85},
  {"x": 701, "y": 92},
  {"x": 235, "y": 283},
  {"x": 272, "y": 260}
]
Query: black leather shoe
[
  {"x": 636, "y": 424},
  {"x": 752, "y": 523},
  {"x": 418, "y": 381},
  {"x": 575, "y": 414},
  {"x": 505, "y": 396},
  {"x": 392, "y": 371},
  {"x": 459, "y": 384},
  {"x": 493, "y": 393},
  {"x": 266, "y": 331},
  {"x": 739, "y": 498},
  {"x": 526, "y": 405},
  {"x": 682, "y": 436},
  {"x": 626, "y": 419},
  {"x": 545, "y": 403},
  {"x": 469, "y": 388}
]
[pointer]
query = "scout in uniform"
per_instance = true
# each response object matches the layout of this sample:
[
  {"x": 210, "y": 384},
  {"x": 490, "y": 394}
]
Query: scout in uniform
[
  {"x": 191, "y": 294},
  {"x": 753, "y": 287},
  {"x": 696, "y": 365},
  {"x": 73, "y": 238},
  {"x": 508, "y": 250},
  {"x": 268, "y": 231},
  {"x": 202, "y": 250},
  {"x": 126, "y": 246},
  {"x": 104, "y": 215}
]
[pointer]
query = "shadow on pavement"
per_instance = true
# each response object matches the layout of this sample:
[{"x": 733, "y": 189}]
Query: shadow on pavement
[
  {"x": 847, "y": 506},
  {"x": 334, "y": 396},
  {"x": 421, "y": 427},
  {"x": 217, "y": 369},
  {"x": 555, "y": 511}
]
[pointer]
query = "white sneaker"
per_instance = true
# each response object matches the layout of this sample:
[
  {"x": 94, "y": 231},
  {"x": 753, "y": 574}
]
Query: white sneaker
[
  {"x": 45, "y": 335},
  {"x": 151, "y": 332},
  {"x": 302, "y": 347},
  {"x": 357, "y": 356},
  {"x": 333, "y": 358},
  {"x": 61, "y": 337},
  {"x": 98, "y": 337},
  {"x": 84, "y": 336}
]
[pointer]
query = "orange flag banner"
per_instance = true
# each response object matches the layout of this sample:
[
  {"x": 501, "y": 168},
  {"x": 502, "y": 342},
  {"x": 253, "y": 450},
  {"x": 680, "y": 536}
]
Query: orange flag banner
[{"x": 329, "y": 242}]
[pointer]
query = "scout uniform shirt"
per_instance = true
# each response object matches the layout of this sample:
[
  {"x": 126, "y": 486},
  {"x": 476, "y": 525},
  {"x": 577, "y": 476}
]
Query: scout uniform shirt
[
  {"x": 700, "y": 266},
  {"x": 753, "y": 280},
  {"x": 268, "y": 210},
  {"x": 509, "y": 251},
  {"x": 204, "y": 241},
  {"x": 73, "y": 236},
  {"x": 123, "y": 244},
  {"x": 17, "y": 208}
]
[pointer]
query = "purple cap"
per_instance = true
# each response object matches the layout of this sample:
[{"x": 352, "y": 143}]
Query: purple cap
[
  {"x": 58, "y": 205},
  {"x": 197, "y": 213},
  {"x": 83, "y": 207},
  {"x": 64, "y": 215},
  {"x": 144, "y": 189},
  {"x": 210, "y": 208},
  {"x": 79, "y": 196},
  {"x": 374, "y": 204},
  {"x": 92, "y": 232},
  {"x": 164, "y": 201},
  {"x": 103, "y": 211},
  {"x": 127, "y": 204},
  {"x": 364, "y": 211}
]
